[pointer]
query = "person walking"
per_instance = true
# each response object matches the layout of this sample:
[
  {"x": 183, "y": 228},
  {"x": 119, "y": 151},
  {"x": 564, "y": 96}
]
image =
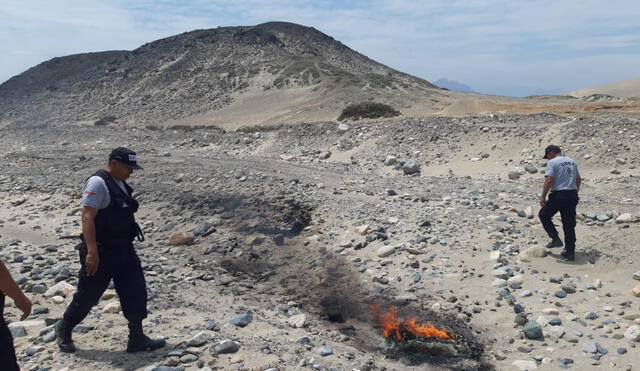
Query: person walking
[
  {"x": 562, "y": 184},
  {"x": 9, "y": 287},
  {"x": 106, "y": 252}
]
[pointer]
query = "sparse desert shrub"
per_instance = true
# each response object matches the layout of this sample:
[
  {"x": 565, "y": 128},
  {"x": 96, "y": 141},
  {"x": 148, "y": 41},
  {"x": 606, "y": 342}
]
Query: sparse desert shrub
[{"x": 367, "y": 110}]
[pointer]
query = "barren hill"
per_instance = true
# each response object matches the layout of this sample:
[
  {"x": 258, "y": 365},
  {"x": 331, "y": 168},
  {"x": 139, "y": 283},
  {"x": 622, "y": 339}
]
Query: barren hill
[
  {"x": 621, "y": 89},
  {"x": 271, "y": 72}
]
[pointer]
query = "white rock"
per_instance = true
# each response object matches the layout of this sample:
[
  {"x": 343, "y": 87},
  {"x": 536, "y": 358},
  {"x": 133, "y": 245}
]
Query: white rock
[
  {"x": 390, "y": 160},
  {"x": 298, "y": 320},
  {"x": 499, "y": 282},
  {"x": 528, "y": 212},
  {"x": 525, "y": 365},
  {"x": 551, "y": 311},
  {"x": 61, "y": 288},
  {"x": 113, "y": 307},
  {"x": 58, "y": 299},
  {"x": 27, "y": 323},
  {"x": 518, "y": 279},
  {"x": 494, "y": 255},
  {"x": 362, "y": 229},
  {"x": 343, "y": 127},
  {"x": 531, "y": 253},
  {"x": 633, "y": 333},
  {"x": 200, "y": 339},
  {"x": 597, "y": 283},
  {"x": 385, "y": 251},
  {"x": 624, "y": 218}
]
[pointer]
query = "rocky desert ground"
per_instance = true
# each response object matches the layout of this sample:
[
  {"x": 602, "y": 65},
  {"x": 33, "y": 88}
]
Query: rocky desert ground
[{"x": 266, "y": 248}]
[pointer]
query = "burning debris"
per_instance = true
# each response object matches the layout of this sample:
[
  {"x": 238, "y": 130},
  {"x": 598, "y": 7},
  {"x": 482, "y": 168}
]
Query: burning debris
[{"x": 408, "y": 335}]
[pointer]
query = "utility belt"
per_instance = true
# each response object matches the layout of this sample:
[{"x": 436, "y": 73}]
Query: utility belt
[
  {"x": 567, "y": 191},
  {"x": 113, "y": 243}
]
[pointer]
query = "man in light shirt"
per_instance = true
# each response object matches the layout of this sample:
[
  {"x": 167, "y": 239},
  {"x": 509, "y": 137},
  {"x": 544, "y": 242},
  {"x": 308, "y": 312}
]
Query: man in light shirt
[{"x": 561, "y": 183}]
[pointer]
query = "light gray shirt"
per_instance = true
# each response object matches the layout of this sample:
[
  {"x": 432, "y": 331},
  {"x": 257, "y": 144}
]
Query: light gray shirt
[
  {"x": 95, "y": 193},
  {"x": 564, "y": 172}
]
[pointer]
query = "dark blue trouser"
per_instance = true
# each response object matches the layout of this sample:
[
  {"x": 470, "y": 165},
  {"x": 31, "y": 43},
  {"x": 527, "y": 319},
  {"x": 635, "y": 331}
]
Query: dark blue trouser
[
  {"x": 123, "y": 266},
  {"x": 8, "y": 360},
  {"x": 564, "y": 202}
]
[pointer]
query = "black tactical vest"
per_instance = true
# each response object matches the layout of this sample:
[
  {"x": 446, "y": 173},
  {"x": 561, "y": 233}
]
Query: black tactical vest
[{"x": 116, "y": 225}]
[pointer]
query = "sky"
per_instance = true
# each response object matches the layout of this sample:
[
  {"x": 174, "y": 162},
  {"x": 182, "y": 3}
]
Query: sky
[{"x": 502, "y": 47}]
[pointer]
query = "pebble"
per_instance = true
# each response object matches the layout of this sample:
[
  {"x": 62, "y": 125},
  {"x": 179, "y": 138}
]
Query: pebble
[
  {"x": 199, "y": 339},
  {"x": 325, "y": 351},
  {"x": 298, "y": 320},
  {"x": 523, "y": 365},
  {"x": 385, "y": 251},
  {"x": 181, "y": 238},
  {"x": 18, "y": 331},
  {"x": 112, "y": 308},
  {"x": 226, "y": 347},
  {"x": 591, "y": 315},
  {"x": 590, "y": 347},
  {"x": 533, "y": 330},
  {"x": 410, "y": 167},
  {"x": 498, "y": 282},
  {"x": 560, "y": 294},
  {"x": 242, "y": 320},
  {"x": 633, "y": 333},
  {"x": 555, "y": 322},
  {"x": 188, "y": 358}
]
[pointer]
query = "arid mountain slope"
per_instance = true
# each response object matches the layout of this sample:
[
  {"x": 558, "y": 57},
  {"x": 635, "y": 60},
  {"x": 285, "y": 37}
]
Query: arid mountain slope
[
  {"x": 276, "y": 71},
  {"x": 622, "y": 89}
]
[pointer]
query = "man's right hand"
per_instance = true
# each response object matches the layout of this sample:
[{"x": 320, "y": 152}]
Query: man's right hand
[
  {"x": 24, "y": 304},
  {"x": 91, "y": 263}
]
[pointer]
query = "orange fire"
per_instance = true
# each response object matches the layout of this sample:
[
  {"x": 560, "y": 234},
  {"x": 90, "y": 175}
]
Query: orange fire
[{"x": 393, "y": 327}]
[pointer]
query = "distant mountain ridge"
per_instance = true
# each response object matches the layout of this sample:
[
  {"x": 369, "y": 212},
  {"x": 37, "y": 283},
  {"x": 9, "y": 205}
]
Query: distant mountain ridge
[
  {"x": 271, "y": 72},
  {"x": 453, "y": 85}
]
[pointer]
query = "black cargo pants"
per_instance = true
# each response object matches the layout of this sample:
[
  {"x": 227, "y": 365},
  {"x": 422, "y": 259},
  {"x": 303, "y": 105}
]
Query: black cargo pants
[
  {"x": 8, "y": 360},
  {"x": 120, "y": 263},
  {"x": 565, "y": 202}
]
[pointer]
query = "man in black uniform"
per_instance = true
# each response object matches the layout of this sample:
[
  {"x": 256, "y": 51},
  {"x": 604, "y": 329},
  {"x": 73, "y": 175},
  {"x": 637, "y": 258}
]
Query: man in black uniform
[
  {"x": 8, "y": 286},
  {"x": 562, "y": 183},
  {"x": 107, "y": 252}
]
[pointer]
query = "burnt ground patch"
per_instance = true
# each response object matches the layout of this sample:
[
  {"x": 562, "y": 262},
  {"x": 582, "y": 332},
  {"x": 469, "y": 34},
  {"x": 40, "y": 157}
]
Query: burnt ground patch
[{"x": 329, "y": 287}]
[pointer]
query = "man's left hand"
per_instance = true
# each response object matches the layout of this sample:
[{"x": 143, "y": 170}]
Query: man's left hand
[{"x": 542, "y": 201}]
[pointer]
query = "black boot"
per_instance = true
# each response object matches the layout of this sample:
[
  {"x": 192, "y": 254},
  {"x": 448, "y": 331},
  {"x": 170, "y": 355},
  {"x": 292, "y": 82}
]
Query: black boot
[
  {"x": 556, "y": 242},
  {"x": 568, "y": 256},
  {"x": 63, "y": 336},
  {"x": 138, "y": 341}
]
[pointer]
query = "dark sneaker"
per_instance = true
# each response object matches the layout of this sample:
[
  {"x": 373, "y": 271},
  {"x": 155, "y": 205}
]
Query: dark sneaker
[
  {"x": 63, "y": 337},
  {"x": 568, "y": 256},
  {"x": 556, "y": 242},
  {"x": 144, "y": 343}
]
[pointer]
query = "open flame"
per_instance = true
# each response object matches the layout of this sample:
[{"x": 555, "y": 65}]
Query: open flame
[{"x": 397, "y": 329}]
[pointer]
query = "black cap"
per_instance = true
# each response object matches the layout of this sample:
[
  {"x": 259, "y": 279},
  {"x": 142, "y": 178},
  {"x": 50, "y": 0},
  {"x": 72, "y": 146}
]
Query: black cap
[
  {"x": 126, "y": 156},
  {"x": 551, "y": 149}
]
